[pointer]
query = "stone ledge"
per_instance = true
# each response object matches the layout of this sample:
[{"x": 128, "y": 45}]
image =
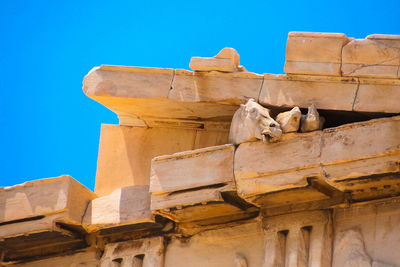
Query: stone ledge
[
  {"x": 332, "y": 156},
  {"x": 125, "y": 206},
  {"x": 42, "y": 217},
  {"x": 197, "y": 186}
]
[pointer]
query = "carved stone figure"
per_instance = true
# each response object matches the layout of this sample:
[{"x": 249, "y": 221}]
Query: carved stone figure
[
  {"x": 251, "y": 122},
  {"x": 349, "y": 251},
  {"x": 289, "y": 120},
  {"x": 240, "y": 261},
  {"x": 312, "y": 121}
]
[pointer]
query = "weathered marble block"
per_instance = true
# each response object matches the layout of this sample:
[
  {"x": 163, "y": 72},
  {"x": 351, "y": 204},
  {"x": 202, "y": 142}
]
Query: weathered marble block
[
  {"x": 227, "y": 60},
  {"x": 125, "y": 206},
  {"x": 337, "y": 159},
  {"x": 36, "y": 205},
  {"x": 376, "y": 56},
  {"x": 197, "y": 185},
  {"x": 314, "y": 53},
  {"x": 228, "y": 88},
  {"x": 334, "y": 93},
  {"x": 137, "y": 253},
  {"x": 42, "y": 217}
]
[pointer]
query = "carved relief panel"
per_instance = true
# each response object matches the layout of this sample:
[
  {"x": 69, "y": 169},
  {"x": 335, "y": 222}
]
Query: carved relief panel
[
  {"x": 147, "y": 252},
  {"x": 298, "y": 240}
]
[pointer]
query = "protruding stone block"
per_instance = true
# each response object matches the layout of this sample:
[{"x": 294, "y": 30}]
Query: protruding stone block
[
  {"x": 376, "y": 56},
  {"x": 378, "y": 95},
  {"x": 314, "y": 53},
  {"x": 355, "y": 153},
  {"x": 125, "y": 206},
  {"x": 228, "y": 88},
  {"x": 192, "y": 169},
  {"x": 259, "y": 168},
  {"x": 46, "y": 212},
  {"x": 133, "y": 82},
  {"x": 227, "y": 60},
  {"x": 197, "y": 186}
]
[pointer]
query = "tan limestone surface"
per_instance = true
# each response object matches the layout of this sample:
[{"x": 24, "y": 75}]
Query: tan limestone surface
[
  {"x": 46, "y": 201},
  {"x": 126, "y": 205},
  {"x": 376, "y": 56},
  {"x": 125, "y": 152},
  {"x": 314, "y": 53}
]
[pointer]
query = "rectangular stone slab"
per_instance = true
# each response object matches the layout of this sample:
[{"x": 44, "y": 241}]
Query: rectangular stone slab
[
  {"x": 376, "y": 56},
  {"x": 235, "y": 88},
  {"x": 334, "y": 93},
  {"x": 63, "y": 196},
  {"x": 263, "y": 168},
  {"x": 378, "y": 95},
  {"x": 191, "y": 169},
  {"x": 361, "y": 149},
  {"x": 314, "y": 53},
  {"x": 126, "y": 205},
  {"x": 352, "y": 151}
]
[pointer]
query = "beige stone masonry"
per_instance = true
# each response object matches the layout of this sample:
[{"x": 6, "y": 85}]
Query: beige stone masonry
[
  {"x": 259, "y": 170},
  {"x": 129, "y": 82},
  {"x": 376, "y": 56},
  {"x": 35, "y": 206},
  {"x": 124, "y": 206},
  {"x": 227, "y": 60},
  {"x": 191, "y": 169},
  {"x": 298, "y": 239},
  {"x": 192, "y": 186},
  {"x": 230, "y": 88},
  {"x": 208, "y": 100},
  {"x": 89, "y": 258},
  {"x": 314, "y": 53},
  {"x": 333, "y": 93},
  {"x": 125, "y": 152},
  {"x": 219, "y": 247},
  {"x": 378, "y": 95},
  {"x": 344, "y": 157},
  {"x": 42, "y": 217},
  {"x": 137, "y": 253},
  {"x": 375, "y": 225}
]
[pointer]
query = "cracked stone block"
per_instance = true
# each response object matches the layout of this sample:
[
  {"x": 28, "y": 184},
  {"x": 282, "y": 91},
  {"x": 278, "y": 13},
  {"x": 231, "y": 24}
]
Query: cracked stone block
[
  {"x": 376, "y": 56},
  {"x": 232, "y": 88},
  {"x": 378, "y": 95},
  {"x": 314, "y": 53}
]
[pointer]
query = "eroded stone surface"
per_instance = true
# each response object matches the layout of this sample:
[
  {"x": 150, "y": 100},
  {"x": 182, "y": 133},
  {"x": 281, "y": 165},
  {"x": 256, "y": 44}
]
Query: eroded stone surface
[
  {"x": 227, "y": 60},
  {"x": 252, "y": 122},
  {"x": 126, "y": 205},
  {"x": 311, "y": 121},
  {"x": 376, "y": 56},
  {"x": 136, "y": 253},
  {"x": 314, "y": 53},
  {"x": 289, "y": 121}
]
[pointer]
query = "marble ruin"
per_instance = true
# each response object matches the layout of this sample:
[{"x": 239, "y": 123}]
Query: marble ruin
[{"x": 223, "y": 167}]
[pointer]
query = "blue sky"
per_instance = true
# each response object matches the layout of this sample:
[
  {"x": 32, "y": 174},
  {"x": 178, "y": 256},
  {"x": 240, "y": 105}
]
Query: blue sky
[{"x": 49, "y": 127}]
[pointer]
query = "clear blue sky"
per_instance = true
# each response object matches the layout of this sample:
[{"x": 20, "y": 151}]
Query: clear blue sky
[{"x": 49, "y": 127}]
